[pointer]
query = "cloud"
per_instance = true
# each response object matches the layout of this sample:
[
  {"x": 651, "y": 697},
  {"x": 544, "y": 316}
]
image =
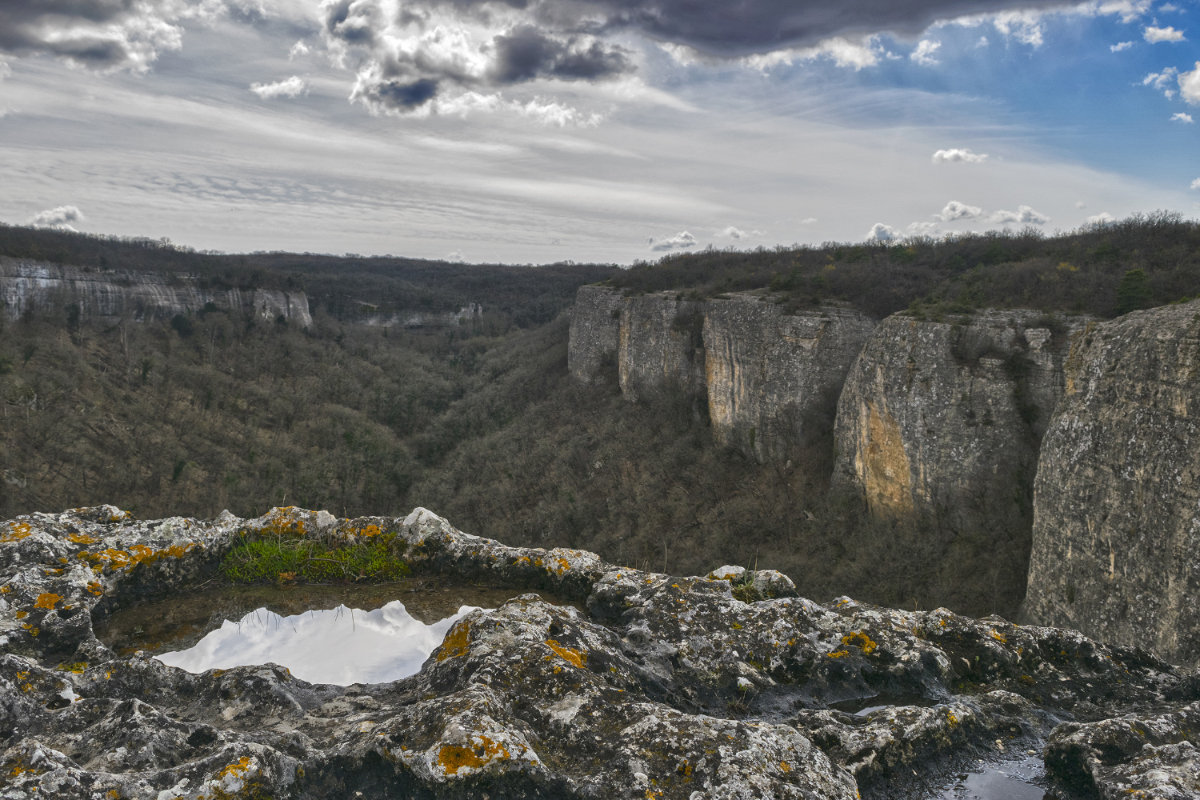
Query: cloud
[
  {"x": 1129, "y": 10},
  {"x": 407, "y": 61},
  {"x": 1155, "y": 35},
  {"x": 60, "y": 217},
  {"x": 1103, "y": 218},
  {"x": 290, "y": 87},
  {"x": 924, "y": 54},
  {"x": 299, "y": 50},
  {"x": 882, "y": 233},
  {"x": 1119, "y": 46},
  {"x": 1024, "y": 215},
  {"x": 733, "y": 232},
  {"x": 955, "y": 210},
  {"x": 5, "y": 70},
  {"x": 1162, "y": 80},
  {"x": 1182, "y": 117},
  {"x": 921, "y": 228},
  {"x": 1024, "y": 26},
  {"x": 1196, "y": 184},
  {"x": 1189, "y": 85},
  {"x": 845, "y": 53},
  {"x": 959, "y": 155},
  {"x": 809, "y": 221},
  {"x": 101, "y": 35},
  {"x": 680, "y": 241}
]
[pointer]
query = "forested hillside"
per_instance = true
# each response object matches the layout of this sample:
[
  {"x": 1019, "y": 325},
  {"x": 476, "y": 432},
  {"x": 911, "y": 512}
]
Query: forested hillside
[{"x": 481, "y": 422}]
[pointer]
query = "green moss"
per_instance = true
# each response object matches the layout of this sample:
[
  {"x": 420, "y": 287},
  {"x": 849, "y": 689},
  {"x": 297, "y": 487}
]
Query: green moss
[{"x": 283, "y": 560}]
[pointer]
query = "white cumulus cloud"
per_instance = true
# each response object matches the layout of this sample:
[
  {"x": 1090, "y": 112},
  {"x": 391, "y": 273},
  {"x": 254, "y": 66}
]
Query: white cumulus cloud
[
  {"x": 5, "y": 70},
  {"x": 680, "y": 241},
  {"x": 959, "y": 155},
  {"x": 60, "y": 217},
  {"x": 289, "y": 87},
  {"x": 1103, "y": 218},
  {"x": 299, "y": 49},
  {"x": 1189, "y": 85},
  {"x": 1182, "y": 117},
  {"x": 925, "y": 54},
  {"x": 955, "y": 210},
  {"x": 1196, "y": 183},
  {"x": 1162, "y": 80},
  {"x": 882, "y": 233},
  {"x": 1119, "y": 46},
  {"x": 1024, "y": 215},
  {"x": 1155, "y": 35},
  {"x": 734, "y": 232}
]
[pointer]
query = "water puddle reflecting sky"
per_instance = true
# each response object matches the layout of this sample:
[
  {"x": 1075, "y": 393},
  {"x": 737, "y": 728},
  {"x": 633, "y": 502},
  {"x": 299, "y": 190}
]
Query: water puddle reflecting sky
[{"x": 340, "y": 645}]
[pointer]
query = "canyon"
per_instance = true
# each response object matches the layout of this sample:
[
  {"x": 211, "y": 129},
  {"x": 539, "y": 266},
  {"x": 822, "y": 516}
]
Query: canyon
[{"x": 1071, "y": 439}]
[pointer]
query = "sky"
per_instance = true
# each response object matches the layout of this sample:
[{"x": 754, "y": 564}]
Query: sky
[{"x": 615, "y": 131}]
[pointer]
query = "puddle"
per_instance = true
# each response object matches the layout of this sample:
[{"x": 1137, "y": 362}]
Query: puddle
[
  {"x": 340, "y": 645},
  {"x": 180, "y": 621},
  {"x": 1005, "y": 780}
]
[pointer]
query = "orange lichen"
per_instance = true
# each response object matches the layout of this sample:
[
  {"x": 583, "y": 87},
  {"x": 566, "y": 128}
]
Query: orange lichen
[
  {"x": 838, "y": 653},
  {"x": 783, "y": 765},
  {"x": 456, "y": 642},
  {"x": 22, "y": 614},
  {"x": 453, "y": 757},
  {"x": 951, "y": 718},
  {"x": 136, "y": 554},
  {"x": 578, "y": 658},
  {"x": 237, "y": 769},
  {"x": 370, "y": 530},
  {"x": 999, "y": 637},
  {"x": 95, "y": 588},
  {"x": 16, "y": 532},
  {"x": 47, "y": 600},
  {"x": 82, "y": 538},
  {"x": 862, "y": 640},
  {"x": 561, "y": 565}
]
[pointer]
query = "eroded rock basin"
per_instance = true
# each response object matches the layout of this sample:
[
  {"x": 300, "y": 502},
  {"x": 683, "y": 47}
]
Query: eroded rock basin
[{"x": 650, "y": 686}]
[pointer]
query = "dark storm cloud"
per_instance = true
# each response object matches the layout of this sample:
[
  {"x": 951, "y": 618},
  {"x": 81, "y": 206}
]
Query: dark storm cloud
[
  {"x": 405, "y": 96},
  {"x": 526, "y": 53}
]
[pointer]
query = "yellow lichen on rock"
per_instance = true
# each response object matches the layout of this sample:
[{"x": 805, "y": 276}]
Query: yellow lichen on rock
[
  {"x": 860, "y": 638},
  {"x": 577, "y": 658},
  {"x": 455, "y": 757},
  {"x": 82, "y": 538},
  {"x": 47, "y": 600},
  {"x": 457, "y": 641},
  {"x": 16, "y": 532}
]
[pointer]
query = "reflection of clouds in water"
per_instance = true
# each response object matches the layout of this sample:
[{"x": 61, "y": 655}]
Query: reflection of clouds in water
[{"x": 340, "y": 645}]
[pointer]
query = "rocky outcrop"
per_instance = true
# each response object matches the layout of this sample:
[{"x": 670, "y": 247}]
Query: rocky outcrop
[
  {"x": 370, "y": 315},
  {"x": 27, "y": 286},
  {"x": 773, "y": 378},
  {"x": 943, "y": 419},
  {"x": 724, "y": 686},
  {"x": 1116, "y": 533}
]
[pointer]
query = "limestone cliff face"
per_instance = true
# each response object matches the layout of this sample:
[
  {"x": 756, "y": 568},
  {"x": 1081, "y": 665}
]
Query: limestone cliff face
[
  {"x": 660, "y": 346},
  {"x": 772, "y": 377},
  {"x": 1116, "y": 534},
  {"x": 943, "y": 419},
  {"x": 595, "y": 331},
  {"x": 26, "y": 285}
]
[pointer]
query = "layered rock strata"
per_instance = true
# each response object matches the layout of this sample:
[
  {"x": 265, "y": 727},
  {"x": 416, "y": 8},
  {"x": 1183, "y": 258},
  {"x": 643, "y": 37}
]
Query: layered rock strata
[
  {"x": 27, "y": 286},
  {"x": 1116, "y": 532},
  {"x": 944, "y": 419},
  {"x": 724, "y": 686}
]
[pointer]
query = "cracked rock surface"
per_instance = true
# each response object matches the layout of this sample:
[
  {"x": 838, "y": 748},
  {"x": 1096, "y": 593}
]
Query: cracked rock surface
[{"x": 647, "y": 686}]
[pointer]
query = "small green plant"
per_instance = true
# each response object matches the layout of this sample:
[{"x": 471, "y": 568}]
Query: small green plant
[{"x": 287, "y": 560}]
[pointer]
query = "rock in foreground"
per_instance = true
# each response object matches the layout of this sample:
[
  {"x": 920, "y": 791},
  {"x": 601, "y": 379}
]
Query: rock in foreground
[{"x": 726, "y": 686}]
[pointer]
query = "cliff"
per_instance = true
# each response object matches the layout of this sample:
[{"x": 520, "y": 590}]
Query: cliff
[
  {"x": 613, "y": 682},
  {"x": 943, "y": 419},
  {"x": 1116, "y": 532},
  {"x": 26, "y": 286},
  {"x": 771, "y": 379}
]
